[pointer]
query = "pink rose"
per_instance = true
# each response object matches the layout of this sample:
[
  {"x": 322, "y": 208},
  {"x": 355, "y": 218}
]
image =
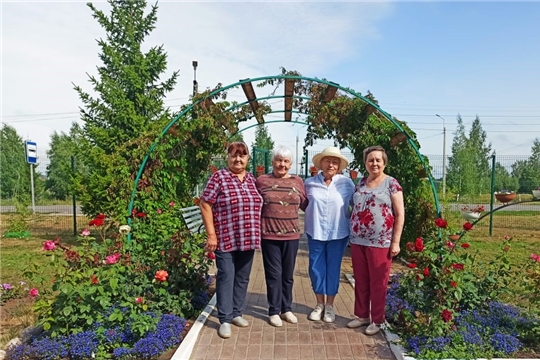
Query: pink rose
[
  {"x": 159, "y": 211},
  {"x": 34, "y": 292},
  {"x": 112, "y": 259},
  {"x": 85, "y": 232},
  {"x": 171, "y": 203},
  {"x": 138, "y": 300},
  {"x": 49, "y": 245}
]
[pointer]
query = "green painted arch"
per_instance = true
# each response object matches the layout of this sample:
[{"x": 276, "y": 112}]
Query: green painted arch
[{"x": 277, "y": 77}]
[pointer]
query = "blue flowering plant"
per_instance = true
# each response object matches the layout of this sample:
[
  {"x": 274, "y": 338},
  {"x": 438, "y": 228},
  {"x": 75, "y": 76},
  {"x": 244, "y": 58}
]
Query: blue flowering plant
[
  {"x": 165, "y": 332},
  {"x": 450, "y": 304}
]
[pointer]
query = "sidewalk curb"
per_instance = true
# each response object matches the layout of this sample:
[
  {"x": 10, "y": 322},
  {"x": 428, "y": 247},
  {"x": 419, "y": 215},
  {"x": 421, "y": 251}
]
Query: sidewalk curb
[
  {"x": 391, "y": 338},
  {"x": 183, "y": 352}
]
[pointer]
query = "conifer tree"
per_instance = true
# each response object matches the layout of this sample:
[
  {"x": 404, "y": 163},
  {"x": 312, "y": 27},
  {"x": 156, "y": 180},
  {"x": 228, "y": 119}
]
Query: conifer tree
[{"x": 128, "y": 101}]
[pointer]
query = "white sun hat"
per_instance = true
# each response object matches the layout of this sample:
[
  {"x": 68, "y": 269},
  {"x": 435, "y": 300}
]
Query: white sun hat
[{"x": 334, "y": 152}]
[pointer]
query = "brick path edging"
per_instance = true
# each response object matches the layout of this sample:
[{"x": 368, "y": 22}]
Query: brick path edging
[{"x": 183, "y": 352}]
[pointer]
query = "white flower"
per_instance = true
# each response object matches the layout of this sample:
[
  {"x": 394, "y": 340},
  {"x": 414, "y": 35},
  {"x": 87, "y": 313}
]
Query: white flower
[{"x": 124, "y": 229}]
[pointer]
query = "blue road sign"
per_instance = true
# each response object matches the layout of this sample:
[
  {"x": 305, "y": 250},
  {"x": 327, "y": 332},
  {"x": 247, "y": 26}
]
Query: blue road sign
[{"x": 31, "y": 152}]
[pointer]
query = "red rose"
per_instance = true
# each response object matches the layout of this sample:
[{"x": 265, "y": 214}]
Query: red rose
[
  {"x": 412, "y": 265},
  {"x": 446, "y": 315},
  {"x": 450, "y": 244},
  {"x": 506, "y": 248},
  {"x": 211, "y": 255},
  {"x": 465, "y": 245},
  {"x": 418, "y": 277},
  {"x": 419, "y": 245},
  {"x": 453, "y": 283},
  {"x": 96, "y": 222},
  {"x": 467, "y": 226},
  {"x": 458, "y": 266},
  {"x": 94, "y": 279},
  {"x": 440, "y": 222},
  {"x": 426, "y": 272},
  {"x": 140, "y": 215},
  {"x": 101, "y": 216}
]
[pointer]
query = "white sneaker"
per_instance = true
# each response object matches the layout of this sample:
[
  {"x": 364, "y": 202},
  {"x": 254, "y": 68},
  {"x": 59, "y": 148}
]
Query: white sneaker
[
  {"x": 372, "y": 329},
  {"x": 316, "y": 314},
  {"x": 240, "y": 321},
  {"x": 275, "y": 321},
  {"x": 224, "y": 330},
  {"x": 355, "y": 323},
  {"x": 289, "y": 317},
  {"x": 329, "y": 314}
]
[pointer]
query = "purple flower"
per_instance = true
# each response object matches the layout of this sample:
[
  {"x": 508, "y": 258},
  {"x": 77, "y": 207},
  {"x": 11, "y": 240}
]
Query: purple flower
[{"x": 6, "y": 286}]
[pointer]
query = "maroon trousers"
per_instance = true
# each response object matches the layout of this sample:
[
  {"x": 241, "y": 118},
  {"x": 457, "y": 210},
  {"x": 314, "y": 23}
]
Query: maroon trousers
[{"x": 371, "y": 268}]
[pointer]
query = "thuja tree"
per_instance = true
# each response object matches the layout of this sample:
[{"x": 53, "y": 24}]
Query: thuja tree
[{"x": 353, "y": 123}]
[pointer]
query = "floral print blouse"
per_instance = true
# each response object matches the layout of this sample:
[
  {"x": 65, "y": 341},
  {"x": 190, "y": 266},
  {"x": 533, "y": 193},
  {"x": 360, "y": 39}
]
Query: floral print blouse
[{"x": 372, "y": 220}]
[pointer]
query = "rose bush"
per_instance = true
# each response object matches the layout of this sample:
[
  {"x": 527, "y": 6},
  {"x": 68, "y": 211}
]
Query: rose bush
[
  {"x": 450, "y": 304},
  {"x": 110, "y": 285}
]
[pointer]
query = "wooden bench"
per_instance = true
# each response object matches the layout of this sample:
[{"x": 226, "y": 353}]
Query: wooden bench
[{"x": 193, "y": 219}]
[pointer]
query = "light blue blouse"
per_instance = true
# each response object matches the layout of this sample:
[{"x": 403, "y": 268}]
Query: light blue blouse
[{"x": 328, "y": 212}]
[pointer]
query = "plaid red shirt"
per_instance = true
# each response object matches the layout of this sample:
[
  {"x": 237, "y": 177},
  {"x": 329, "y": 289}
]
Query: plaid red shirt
[{"x": 236, "y": 207}]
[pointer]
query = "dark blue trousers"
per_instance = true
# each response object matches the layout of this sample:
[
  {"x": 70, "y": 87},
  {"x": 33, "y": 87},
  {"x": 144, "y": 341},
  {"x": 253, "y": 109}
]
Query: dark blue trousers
[
  {"x": 279, "y": 259},
  {"x": 232, "y": 282}
]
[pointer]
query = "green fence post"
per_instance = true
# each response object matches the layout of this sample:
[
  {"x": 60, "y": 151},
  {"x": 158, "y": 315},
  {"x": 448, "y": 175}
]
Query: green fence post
[
  {"x": 492, "y": 200},
  {"x": 253, "y": 162},
  {"x": 306, "y": 168},
  {"x": 74, "y": 199},
  {"x": 266, "y": 161}
]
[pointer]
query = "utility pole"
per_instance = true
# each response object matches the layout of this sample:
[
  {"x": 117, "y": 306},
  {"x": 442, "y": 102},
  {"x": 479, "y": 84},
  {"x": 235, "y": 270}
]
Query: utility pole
[{"x": 444, "y": 158}]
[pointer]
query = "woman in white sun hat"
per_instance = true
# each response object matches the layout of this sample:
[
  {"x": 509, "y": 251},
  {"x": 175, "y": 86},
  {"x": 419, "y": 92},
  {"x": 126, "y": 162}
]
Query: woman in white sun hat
[{"x": 327, "y": 228}]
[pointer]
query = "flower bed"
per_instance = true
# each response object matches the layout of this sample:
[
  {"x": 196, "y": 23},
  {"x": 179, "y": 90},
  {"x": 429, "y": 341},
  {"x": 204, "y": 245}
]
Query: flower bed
[
  {"x": 113, "y": 298},
  {"x": 449, "y": 304}
]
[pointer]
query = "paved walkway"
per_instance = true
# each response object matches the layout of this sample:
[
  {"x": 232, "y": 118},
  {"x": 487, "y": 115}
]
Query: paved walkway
[{"x": 305, "y": 340}]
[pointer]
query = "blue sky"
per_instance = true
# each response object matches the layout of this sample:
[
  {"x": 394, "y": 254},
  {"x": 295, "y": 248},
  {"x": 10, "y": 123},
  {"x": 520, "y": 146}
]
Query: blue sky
[{"x": 418, "y": 59}]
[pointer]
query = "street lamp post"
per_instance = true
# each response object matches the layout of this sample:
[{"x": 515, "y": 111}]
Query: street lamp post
[
  {"x": 297, "y": 158},
  {"x": 195, "y": 84},
  {"x": 444, "y": 157}
]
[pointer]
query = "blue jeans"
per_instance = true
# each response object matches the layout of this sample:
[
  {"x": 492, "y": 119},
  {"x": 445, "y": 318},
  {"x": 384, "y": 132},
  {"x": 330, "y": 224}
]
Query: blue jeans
[
  {"x": 325, "y": 264},
  {"x": 231, "y": 283}
]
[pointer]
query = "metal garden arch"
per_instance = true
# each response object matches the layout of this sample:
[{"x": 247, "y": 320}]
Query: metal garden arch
[{"x": 252, "y": 100}]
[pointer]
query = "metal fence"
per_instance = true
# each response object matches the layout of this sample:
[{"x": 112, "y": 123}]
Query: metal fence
[{"x": 53, "y": 217}]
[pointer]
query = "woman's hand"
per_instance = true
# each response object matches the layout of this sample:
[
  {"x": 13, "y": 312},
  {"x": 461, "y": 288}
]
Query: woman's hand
[
  {"x": 211, "y": 243},
  {"x": 394, "y": 249}
]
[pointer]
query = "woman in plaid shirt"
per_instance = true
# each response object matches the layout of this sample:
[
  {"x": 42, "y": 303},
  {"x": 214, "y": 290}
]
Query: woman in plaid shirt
[{"x": 231, "y": 211}]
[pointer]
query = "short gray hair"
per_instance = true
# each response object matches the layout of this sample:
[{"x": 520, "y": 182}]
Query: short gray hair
[{"x": 282, "y": 151}]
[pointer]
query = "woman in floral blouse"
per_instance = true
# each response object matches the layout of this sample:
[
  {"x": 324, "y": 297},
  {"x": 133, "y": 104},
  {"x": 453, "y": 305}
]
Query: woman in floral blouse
[{"x": 376, "y": 226}]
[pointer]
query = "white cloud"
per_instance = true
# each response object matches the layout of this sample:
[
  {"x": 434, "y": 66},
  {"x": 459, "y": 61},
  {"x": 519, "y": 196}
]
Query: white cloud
[{"x": 48, "y": 46}]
